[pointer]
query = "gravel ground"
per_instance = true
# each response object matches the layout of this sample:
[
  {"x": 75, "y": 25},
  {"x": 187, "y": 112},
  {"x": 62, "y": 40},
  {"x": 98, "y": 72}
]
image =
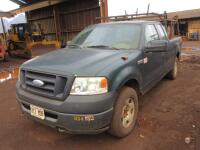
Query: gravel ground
[{"x": 168, "y": 114}]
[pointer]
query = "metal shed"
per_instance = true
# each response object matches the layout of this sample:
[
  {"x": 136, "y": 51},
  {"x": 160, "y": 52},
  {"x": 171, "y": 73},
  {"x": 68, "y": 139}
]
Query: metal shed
[{"x": 62, "y": 19}]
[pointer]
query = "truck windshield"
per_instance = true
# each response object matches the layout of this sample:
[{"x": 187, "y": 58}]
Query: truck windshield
[{"x": 110, "y": 36}]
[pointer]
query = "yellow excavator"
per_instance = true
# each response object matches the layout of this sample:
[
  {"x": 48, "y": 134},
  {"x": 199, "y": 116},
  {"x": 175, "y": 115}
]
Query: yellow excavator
[{"x": 22, "y": 38}]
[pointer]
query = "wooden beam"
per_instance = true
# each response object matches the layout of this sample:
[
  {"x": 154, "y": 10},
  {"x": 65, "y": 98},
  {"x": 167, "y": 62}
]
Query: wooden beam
[
  {"x": 36, "y": 6},
  {"x": 6, "y": 14}
]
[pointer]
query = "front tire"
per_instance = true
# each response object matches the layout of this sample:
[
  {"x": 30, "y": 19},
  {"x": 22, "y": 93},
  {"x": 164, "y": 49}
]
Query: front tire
[{"x": 125, "y": 113}]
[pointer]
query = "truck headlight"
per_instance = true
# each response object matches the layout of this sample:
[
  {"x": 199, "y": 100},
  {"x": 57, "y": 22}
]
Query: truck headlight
[{"x": 89, "y": 86}]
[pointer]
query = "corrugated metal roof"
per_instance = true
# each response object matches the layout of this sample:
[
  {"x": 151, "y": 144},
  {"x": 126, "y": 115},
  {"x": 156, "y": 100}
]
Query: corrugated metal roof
[
  {"x": 187, "y": 14},
  {"x": 25, "y": 2}
]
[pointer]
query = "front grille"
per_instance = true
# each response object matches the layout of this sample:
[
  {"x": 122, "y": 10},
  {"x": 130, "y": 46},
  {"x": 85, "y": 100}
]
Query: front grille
[{"x": 54, "y": 85}]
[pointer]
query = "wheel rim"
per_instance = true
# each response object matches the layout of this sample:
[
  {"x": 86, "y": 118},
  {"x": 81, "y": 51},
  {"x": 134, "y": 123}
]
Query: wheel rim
[{"x": 128, "y": 113}]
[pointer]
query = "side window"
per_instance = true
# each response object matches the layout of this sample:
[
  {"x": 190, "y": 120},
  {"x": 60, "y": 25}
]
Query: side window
[
  {"x": 161, "y": 31},
  {"x": 150, "y": 33}
]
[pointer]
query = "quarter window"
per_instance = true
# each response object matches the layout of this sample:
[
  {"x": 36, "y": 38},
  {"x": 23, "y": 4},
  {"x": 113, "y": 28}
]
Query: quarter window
[
  {"x": 162, "y": 33},
  {"x": 150, "y": 33}
]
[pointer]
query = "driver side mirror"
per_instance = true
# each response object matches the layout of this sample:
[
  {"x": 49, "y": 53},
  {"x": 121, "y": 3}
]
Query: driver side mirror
[{"x": 156, "y": 46}]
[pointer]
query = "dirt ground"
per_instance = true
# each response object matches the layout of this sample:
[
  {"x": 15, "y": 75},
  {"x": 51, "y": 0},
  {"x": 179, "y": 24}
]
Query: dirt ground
[{"x": 169, "y": 113}]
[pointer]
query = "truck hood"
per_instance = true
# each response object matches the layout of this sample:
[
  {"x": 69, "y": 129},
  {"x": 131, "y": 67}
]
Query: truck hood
[{"x": 81, "y": 62}]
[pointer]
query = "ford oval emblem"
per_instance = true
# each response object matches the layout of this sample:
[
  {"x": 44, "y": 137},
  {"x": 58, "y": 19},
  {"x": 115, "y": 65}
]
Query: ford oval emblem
[{"x": 38, "y": 83}]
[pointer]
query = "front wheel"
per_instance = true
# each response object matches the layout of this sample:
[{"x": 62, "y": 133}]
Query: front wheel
[{"x": 125, "y": 113}]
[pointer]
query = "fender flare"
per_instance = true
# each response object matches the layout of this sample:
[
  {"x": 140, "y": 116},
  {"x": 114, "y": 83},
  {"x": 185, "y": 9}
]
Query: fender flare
[{"x": 125, "y": 75}]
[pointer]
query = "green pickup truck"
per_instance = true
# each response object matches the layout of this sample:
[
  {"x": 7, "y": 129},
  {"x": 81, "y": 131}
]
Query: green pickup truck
[{"x": 94, "y": 84}]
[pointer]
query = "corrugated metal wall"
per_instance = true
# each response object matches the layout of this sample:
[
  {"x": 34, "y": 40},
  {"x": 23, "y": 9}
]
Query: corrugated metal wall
[{"x": 67, "y": 18}]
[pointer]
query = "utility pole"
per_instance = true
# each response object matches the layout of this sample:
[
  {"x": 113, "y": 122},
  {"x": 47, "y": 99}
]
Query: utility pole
[
  {"x": 4, "y": 30},
  {"x": 148, "y": 9},
  {"x": 125, "y": 12},
  {"x": 136, "y": 12}
]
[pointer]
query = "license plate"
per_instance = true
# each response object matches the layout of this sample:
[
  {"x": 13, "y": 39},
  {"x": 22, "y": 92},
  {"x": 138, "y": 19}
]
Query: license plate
[{"x": 37, "y": 112}]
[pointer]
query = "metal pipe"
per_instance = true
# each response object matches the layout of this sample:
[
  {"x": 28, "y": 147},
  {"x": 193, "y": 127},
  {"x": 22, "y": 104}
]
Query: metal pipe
[{"x": 143, "y": 15}]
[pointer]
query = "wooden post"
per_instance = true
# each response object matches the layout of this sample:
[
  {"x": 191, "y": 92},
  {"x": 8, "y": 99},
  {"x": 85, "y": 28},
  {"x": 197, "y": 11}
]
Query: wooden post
[
  {"x": 4, "y": 30},
  {"x": 105, "y": 8},
  {"x": 101, "y": 11},
  {"x": 57, "y": 23}
]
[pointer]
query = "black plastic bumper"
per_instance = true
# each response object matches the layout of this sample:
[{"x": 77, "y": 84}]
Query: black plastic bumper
[{"x": 77, "y": 114}]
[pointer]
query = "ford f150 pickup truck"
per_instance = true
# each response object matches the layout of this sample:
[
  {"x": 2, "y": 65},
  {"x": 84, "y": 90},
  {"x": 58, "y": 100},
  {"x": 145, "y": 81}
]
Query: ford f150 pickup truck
[{"x": 94, "y": 84}]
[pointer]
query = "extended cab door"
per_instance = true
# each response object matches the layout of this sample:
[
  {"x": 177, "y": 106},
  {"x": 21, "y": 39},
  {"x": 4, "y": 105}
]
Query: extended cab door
[
  {"x": 170, "y": 54},
  {"x": 153, "y": 63}
]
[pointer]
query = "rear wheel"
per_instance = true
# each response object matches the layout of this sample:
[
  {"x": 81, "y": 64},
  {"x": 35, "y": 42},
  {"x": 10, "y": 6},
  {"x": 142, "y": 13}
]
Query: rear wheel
[
  {"x": 125, "y": 113},
  {"x": 174, "y": 72}
]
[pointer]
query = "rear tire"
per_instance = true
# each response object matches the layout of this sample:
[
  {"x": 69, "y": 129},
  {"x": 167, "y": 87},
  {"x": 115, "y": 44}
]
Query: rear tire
[
  {"x": 174, "y": 72},
  {"x": 125, "y": 113}
]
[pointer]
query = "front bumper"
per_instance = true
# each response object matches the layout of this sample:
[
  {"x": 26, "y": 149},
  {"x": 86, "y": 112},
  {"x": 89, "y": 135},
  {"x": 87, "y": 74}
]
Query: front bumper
[{"x": 71, "y": 114}]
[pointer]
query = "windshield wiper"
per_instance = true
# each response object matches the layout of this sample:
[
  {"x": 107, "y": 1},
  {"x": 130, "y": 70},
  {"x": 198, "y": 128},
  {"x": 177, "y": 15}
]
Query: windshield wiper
[
  {"x": 74, "y": 45},
  {"x": 102, "y": 46}
]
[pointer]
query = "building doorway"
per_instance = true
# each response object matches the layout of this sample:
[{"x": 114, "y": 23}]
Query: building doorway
[{"x": 183, "y": 28}]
